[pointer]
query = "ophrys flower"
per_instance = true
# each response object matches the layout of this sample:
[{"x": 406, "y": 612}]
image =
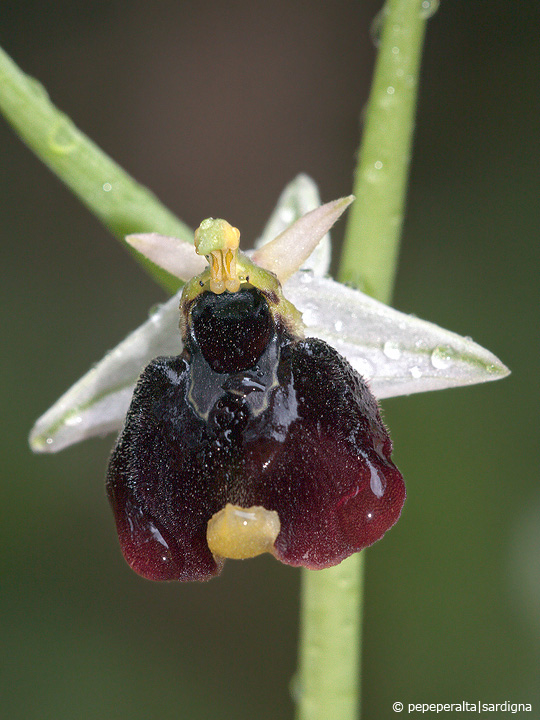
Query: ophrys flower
[{"x": 254, "y": 438}]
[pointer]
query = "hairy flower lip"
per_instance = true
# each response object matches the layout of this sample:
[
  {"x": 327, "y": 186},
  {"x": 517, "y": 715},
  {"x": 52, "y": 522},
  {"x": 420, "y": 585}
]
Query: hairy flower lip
[
  {"x": 299, "y": 467},
  {"x": 188, "y": 479},
  {"x": 398, "y": 354}
]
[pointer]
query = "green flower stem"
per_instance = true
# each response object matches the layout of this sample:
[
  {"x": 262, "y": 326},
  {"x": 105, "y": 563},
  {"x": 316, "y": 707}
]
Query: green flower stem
[
  {"x": 371, "y": 246},
  {"x": 331, "y": 608},
  {"x": 109, "y": 192},
  {"x": 330, "y": 630}
]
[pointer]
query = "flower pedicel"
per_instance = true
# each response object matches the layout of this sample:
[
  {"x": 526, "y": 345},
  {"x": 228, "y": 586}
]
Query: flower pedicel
[{"x": 254, "y": 439}]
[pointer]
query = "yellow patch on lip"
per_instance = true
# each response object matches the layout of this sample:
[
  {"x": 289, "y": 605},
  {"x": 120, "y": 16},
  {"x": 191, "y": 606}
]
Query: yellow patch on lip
[
  {"x": 218, "y": 241},
  {"x": 239, "y": 533}
]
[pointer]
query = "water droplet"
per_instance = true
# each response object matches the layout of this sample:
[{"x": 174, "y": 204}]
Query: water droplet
[
  {"x": 363, "y": 367},
  {"x": 391, "y": 350},
  {"x": 390, "y": 90},
  {"x": 287, "y": 215},
  {"x": 310, "y": 314},
  {"x": 49, "y": 441},
  {"x": 107, "y": 187},
  {"x": 153, "y": 312},
  {"x": 338, "y": 325},
  {"x": 154, "y": 531},
  {"x": 373, "y": 175},
  {"x": 442, "y": 357},
  {"x": 395, "y": 50},
  {"x": 73, "y": 420},
  {"x": 376, "y": 483},
  {"x": 428, "y": 8},
  {"x": 377, "y": 26},
  {"x": 37, "y": 88},
  {"x": 416, "y": 372},
  {"x": 62, "y": 137}
]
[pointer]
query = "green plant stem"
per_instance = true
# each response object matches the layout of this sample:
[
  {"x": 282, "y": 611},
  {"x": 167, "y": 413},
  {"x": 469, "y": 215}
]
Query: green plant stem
[
  {"x": 371, "y": 245},
  {"x": 331, "y": 607},
  {"x": 329, "y": 641},
  {"x": 123, "y": 205}
]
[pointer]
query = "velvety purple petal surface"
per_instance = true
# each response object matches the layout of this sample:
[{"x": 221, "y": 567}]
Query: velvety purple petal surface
[{"x": 299, "y": 433}]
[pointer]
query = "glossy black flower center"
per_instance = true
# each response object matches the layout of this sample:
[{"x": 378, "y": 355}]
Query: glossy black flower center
[{"x": 232, "y": 330}]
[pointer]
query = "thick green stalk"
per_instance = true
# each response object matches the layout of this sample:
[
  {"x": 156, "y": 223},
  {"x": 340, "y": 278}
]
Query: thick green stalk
[
  {"x": 371, "y": 246},
  {"x": 331, "y": 610},
  {"x": 329, "y": 641},
  {"x": 119, "y": 202}
]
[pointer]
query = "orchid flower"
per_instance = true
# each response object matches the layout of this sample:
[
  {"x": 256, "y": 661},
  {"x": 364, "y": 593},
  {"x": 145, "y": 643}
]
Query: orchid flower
[
  {"x": 259, "y": 431},
  {"x": 397, "y": 354}
]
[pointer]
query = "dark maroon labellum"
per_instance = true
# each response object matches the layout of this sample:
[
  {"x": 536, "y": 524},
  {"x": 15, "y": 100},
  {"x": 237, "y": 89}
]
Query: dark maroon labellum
[
  {"x": 251, "y": 416},
  {"x": 231, "y": 330}
]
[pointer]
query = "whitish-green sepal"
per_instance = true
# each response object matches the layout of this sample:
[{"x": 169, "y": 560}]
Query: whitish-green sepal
[
  {"x": 98, "y": 402},
  {"x": 299, "y": 197},
  {"x": 398, "y": 353},
  {"x": 290, "y": 250},
  {"x": 172, "y": 254}
]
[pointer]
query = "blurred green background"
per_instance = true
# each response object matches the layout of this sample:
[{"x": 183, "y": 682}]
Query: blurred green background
[{"x": 215, "y": 106}]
